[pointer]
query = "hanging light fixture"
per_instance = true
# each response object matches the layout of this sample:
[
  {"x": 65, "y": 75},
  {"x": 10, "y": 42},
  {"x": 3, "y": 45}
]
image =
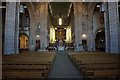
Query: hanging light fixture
[
  {"x": 21, "y": 9},
  {"x": 60, "y": 21}
]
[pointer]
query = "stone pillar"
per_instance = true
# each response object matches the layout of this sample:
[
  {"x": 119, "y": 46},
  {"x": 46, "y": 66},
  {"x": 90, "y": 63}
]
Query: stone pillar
[
  {"x": 17, "y": 28},
  {"x": 114, "y": 27},
  {"x": 32, "y": 36},
  {"x": 107, "y": 29},
  {"x": 0, "y": 41},
  {"x": 78, "y": 25},
  {"x": 89, "y": 30},
  {"x": 118, "y": 29},
  {"x": 9, "y": 43},
  {"x": 89, "y": 35},
  {"x": 0, "y": 28},
  {"x": 43, "y": 21}
]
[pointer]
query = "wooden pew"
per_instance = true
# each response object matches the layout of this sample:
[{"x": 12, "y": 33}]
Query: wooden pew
[
  {"x": 107, "y": 74},
  {"x": 17, "y": 71},
  {"x": 27, "y": 65},
  {"x": 96, "y": 64},
  {"x": 22, "y": 74},
  {"x": 87, "y": 69}
]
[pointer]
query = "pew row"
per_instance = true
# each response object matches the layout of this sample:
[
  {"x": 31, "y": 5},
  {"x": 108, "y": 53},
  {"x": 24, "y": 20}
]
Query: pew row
[
  {"x": 27, "y": 65},
  {"x": 95, "y": 65}
]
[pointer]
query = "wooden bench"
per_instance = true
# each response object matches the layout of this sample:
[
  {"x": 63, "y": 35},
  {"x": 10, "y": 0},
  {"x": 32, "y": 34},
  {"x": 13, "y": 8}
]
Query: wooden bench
[
  {"x": 97, "y": 67},
  {"x": 106, "y": 74},
  {"x": 22, "y": 74},
  {"x": 27, "y": 65},
  {"x": 97, "y": 64},
  {"x": 17, "y": 71}
]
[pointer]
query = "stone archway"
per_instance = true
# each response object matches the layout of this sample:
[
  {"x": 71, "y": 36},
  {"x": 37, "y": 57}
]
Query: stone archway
[
  {"x": 95, "y": 34},
  {"x": 91, "y": 7},
  {"x": 100, "y": 41},
  {"x": 100, "y": 24}
]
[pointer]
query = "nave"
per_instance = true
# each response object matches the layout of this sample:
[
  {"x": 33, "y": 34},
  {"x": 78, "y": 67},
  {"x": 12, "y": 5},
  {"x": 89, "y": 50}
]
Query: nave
[{"x": 63, "y": 67}]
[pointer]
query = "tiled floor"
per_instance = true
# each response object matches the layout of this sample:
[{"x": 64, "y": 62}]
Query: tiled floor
[{"x": 63, "y": 67}]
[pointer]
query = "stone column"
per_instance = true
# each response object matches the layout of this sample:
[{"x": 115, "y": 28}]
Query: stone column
[
  {"x": 9, "y": 43},
  {"x": 0, "y": 28},
  {"x": 32, "y": 27},
  {"x": 43, "y": 21},
  {"x": 89, "y": 30},
  {"x": 17, "y": 28},
  {"x": 78, "y": 25},
  {"x": 107, "y": 29},
  {"x": 0, "y": 41},
  {"x": 114, "y": 27},
  {"x": 119, "y": 36},
  {"x": 32, "y": 36}
]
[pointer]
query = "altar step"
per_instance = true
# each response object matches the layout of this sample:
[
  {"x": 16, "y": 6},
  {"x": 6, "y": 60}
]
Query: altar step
[
  {"x": 62, "y": 52},
  {"x": 42, "y": 50}
]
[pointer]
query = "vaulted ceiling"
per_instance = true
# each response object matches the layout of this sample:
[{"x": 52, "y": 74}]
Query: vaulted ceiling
[{"x": 60, "y": 10}]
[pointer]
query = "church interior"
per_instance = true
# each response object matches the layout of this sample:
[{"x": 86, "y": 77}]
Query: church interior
[{"x": 66, "y": 40}]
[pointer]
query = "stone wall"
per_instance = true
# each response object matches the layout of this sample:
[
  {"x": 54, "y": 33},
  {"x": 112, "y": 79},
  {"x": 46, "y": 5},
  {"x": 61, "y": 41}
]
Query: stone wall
[
  {"x": 80, "y": 21},
  {"x": 39, "y": 16}
]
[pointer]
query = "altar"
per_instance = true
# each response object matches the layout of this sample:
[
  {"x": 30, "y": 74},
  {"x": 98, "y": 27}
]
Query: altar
[{"x": 60, "y": 47}]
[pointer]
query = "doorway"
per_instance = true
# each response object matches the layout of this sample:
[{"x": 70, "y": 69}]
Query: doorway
[
  {"x": 84, "y": 43},
  {"x": 23, "y": 42},
  {"x": 37, "y": 45},
  {"x": 100, "y": 41}
]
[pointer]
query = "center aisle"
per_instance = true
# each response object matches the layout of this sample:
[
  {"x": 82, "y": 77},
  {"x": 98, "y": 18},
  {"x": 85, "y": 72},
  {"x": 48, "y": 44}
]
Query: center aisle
[{"x": 63, "y": 67}]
